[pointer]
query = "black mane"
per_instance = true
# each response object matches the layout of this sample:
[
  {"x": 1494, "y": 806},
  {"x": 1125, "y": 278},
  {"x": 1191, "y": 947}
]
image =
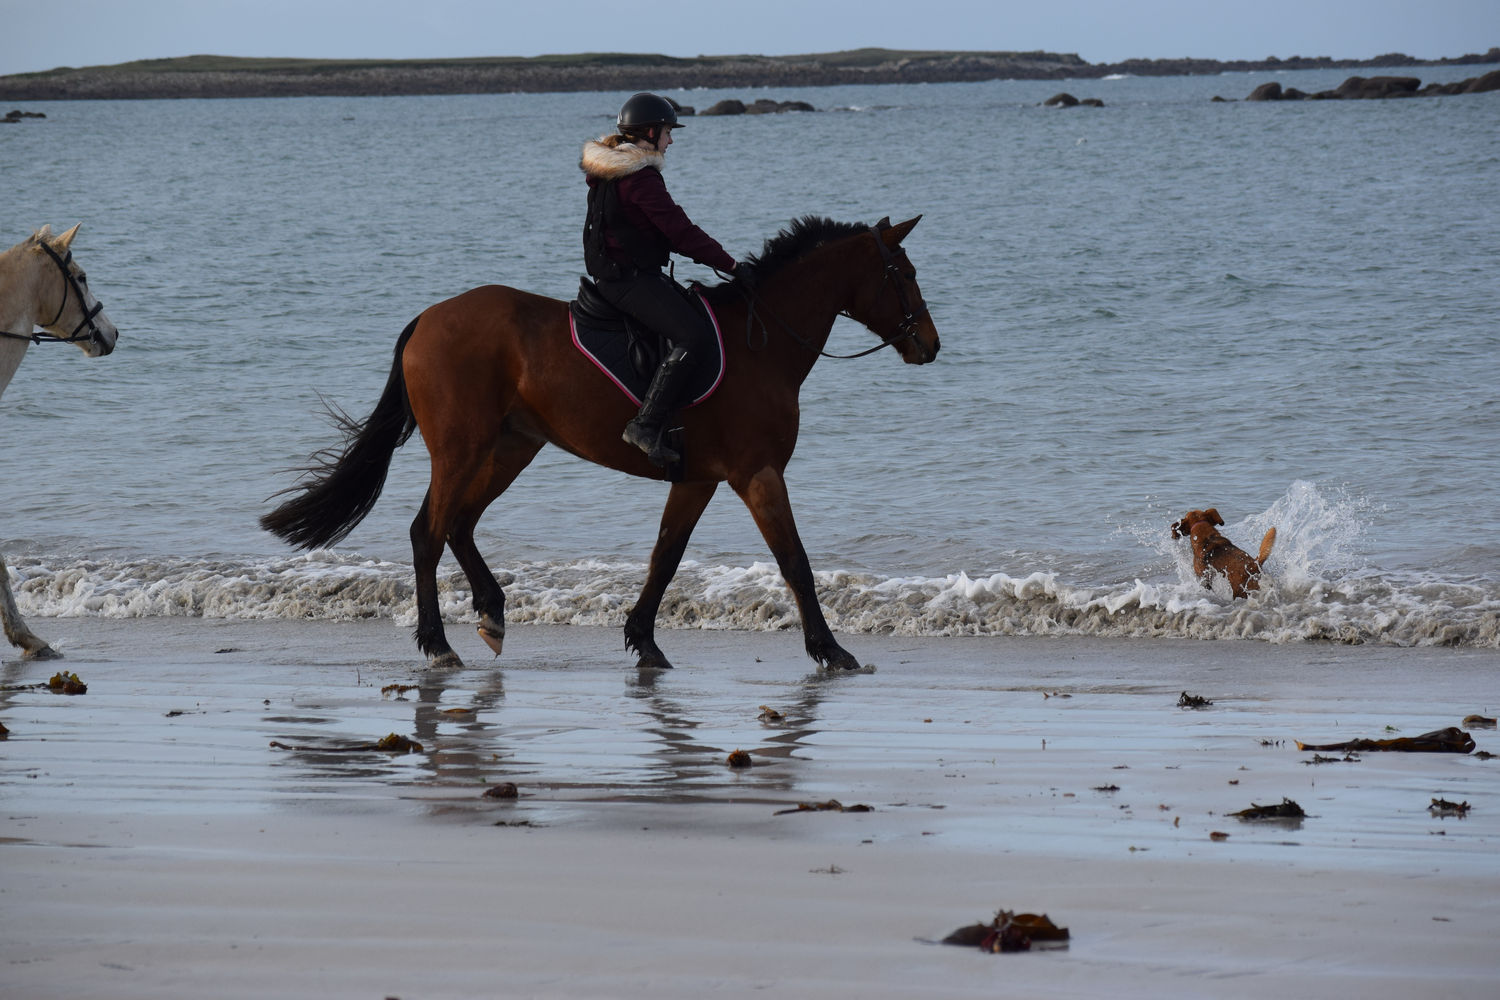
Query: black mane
[
  {"x": 800, "y": 238},
  {"x": 791, "y": 244}
]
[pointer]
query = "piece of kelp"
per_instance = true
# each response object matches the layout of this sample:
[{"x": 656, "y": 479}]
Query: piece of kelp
[
  {"x": 1449, "y": 740},
  {"x": 1010, "y": 931},
  {"x": 392, "y": 743},
  {"x": 832, "y": 805},
  {"x": 61, "y": 682},
  {"x": 1287, "y": 809}
]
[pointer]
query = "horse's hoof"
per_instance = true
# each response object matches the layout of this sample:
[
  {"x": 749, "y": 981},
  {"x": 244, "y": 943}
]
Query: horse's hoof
[
  {"x": 447, "y": 661},
  {"x": 492, "y": 639},
  {"x": 45, "y": 652},
  {"x": 841, "y": 659},
  {"x": 653, "y": 661}
]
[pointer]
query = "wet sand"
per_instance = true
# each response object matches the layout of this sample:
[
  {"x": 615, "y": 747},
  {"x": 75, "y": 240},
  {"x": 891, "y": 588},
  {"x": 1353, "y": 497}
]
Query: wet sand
[{"x": 154, "y": 844}]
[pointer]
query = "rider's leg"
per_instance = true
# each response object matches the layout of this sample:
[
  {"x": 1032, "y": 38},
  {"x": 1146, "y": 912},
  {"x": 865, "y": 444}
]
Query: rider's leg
[
  {"x": 655, "y": 300},
  {"x": 661, "y": 402}
]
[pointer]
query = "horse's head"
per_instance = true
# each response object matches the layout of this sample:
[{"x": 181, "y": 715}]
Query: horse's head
[
  {"x": 77, "y": 317},
  {"x": 890, "y": 303}
]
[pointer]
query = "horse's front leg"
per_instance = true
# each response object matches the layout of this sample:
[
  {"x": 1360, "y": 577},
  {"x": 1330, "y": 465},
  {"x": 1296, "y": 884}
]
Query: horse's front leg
[
  {"x": 31, "y": 644},
  {"x": 685, "y": 505},
  {"x": 765, "y": 494}
]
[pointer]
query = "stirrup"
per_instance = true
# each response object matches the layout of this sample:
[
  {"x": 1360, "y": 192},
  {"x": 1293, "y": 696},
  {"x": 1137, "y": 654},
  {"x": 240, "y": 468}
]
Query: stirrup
[{"x": 652, "y": 441}]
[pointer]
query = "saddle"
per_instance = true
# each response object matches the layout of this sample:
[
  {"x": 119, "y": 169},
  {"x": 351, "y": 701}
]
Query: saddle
[{"x": 629, "y": 353}]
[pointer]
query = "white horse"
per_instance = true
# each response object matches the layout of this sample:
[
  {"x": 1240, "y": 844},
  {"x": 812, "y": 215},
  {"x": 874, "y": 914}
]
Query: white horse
[{"x": 42, "y": 286}]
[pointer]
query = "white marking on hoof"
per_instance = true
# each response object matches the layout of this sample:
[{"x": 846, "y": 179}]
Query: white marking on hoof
[{"x": 491, "y": 639}]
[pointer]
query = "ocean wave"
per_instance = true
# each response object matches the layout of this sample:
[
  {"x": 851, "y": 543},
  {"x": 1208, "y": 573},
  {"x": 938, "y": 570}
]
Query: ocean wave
[{"x": 1355, "y": 607}]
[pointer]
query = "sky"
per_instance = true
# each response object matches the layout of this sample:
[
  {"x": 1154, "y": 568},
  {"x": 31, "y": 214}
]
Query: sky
[{"x": 35, "y": 35}]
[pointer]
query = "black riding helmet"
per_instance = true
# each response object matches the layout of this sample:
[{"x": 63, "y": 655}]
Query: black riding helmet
[{"x": 646, "y": 111}]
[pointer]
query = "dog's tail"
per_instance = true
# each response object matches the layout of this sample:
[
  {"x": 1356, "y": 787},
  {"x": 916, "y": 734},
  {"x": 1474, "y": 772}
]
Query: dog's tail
[{"x": 1265, "y": 546}]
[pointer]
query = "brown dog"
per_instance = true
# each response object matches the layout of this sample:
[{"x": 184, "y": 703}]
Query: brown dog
[{"x": 1212, "y": 552}]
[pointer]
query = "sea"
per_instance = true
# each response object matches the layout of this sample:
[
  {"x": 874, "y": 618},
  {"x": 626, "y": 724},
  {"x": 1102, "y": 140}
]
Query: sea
[{"x": 1286, "y": 311}]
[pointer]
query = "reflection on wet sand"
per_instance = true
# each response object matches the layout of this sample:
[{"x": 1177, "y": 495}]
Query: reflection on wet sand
[
  {"x": 683, "y": 767},
  {"x": 663, "y": 738}
]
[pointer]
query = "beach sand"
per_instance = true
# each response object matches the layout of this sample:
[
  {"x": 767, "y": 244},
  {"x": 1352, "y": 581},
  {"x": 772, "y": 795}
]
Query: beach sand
[{"x": 154, "y": 843}]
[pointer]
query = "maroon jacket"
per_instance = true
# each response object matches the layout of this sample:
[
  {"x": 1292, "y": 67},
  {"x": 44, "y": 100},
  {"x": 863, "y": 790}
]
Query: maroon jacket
[{"x": 642, "y": 202}]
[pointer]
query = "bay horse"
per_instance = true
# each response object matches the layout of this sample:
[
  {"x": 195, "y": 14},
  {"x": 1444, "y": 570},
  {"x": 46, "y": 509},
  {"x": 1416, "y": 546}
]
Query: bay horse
[
  {"x": 492, "y": 375},
  {"x": 39, "y": 279}
]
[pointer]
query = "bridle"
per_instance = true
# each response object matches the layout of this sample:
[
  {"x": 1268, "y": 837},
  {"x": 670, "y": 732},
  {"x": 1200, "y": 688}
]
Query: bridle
[
  {"x": 905, "y": 330},
  {"x": 910, "y": 316},
  {"x": 70, "y": 283}
]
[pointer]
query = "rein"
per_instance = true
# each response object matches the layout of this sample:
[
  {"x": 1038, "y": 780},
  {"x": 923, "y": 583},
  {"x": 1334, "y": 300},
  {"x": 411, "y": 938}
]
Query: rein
[
  {"x": 905, "y": 330},
  {"x": 70, "y": 283}
]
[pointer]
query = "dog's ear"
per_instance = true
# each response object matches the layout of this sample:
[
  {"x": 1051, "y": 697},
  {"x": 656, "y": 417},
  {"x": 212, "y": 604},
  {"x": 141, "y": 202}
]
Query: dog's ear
[
  {"x": 1212, "y": 515},
  {"x": 1178, "y": 528}
]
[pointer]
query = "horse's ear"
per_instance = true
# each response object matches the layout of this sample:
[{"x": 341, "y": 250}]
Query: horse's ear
[
  {"x": 66, "y": 239},
  {"x": 884, "y": 223},
  {"x": 895, "y": 234}
]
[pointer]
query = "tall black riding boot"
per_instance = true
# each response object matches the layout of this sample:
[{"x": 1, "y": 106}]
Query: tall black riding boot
[{"x": 645, "y": 430}]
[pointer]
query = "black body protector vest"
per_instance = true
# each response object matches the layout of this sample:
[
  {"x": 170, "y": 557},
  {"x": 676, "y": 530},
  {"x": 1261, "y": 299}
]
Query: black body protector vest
[{"x": 644, "y": 251}]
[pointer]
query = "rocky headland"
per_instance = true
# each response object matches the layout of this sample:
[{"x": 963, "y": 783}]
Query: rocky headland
[
  {"x": 1360, "y": 88},
  {"x": 222, "y": 76}
]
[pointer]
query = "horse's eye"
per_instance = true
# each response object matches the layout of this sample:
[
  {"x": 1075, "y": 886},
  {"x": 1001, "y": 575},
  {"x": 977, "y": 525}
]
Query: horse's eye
[{"x": 83, "y": 279}]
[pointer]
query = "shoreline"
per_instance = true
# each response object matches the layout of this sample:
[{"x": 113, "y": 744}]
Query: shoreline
[
  {"x": 230, "y": 77},
  {"x": 156, "y": 845}
]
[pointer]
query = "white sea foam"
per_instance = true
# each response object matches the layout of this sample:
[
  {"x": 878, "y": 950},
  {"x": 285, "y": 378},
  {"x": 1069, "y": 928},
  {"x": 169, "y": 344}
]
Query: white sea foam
[{"x": 1316, "y": 589}]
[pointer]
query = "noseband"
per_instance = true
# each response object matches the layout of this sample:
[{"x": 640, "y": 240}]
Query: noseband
[{"x": 70, "y": 283}]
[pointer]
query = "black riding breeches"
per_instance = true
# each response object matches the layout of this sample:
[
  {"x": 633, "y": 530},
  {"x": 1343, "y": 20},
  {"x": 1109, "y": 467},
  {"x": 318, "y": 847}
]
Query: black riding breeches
[{"x": 655, "y": 300}]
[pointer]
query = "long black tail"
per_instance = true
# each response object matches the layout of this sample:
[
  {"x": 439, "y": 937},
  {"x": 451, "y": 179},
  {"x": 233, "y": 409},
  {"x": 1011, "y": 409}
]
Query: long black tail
[{"x": 341, "y": 485}]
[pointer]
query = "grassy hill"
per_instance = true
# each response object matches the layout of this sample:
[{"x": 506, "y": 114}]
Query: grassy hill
[{"x": 231, "y": 76}]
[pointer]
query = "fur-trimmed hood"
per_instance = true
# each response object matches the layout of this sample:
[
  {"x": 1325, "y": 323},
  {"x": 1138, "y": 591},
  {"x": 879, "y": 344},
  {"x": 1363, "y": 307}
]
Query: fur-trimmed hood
[{"x": 611, "y": 157}]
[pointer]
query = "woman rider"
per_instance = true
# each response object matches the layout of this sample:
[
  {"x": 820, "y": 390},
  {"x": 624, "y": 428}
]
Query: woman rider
[{"x": 632, "y": 225}]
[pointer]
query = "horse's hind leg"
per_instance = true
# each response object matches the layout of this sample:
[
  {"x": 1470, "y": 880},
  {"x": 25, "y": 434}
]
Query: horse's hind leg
[
  {"x": 458, "y": 495},
  {"x": 765, "y": 494},
  {"x": 488, "y": 596},
  {"x": 511, "y": 456},
  {"x": 426, "y": 552},
  {"x": 31, "y": 644},
  {"x": 685, "y": 504}
]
